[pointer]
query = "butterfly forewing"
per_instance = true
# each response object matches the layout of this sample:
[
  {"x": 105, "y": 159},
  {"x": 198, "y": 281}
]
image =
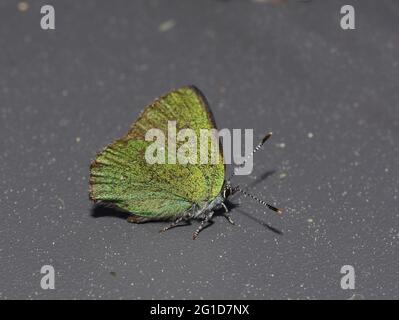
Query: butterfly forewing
[{"x": 120, "y": 174}]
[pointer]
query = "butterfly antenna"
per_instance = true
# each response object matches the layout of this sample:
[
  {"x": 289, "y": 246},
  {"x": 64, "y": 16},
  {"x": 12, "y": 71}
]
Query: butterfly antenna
[
  {"x": 246, "y": 194},
  {"x": 257, "y": 148}
]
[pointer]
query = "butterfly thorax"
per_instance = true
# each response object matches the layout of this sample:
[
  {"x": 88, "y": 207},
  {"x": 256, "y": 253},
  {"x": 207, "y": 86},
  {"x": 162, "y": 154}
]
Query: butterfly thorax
[{"x": 199, "y": 211}]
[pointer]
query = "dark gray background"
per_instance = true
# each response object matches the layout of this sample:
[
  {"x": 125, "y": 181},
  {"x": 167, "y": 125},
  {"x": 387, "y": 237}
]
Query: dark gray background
[{"x": 330, "y": 96}]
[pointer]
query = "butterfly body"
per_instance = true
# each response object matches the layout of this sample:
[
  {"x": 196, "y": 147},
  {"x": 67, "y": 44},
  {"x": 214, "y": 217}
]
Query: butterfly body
[{"x": 122, "y": 175}]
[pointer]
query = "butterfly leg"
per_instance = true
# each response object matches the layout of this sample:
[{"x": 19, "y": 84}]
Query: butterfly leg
[
  {"x": 204, "y": 222},
  {"x": 226, "y": 211},
  {"x": 229, "y": 218},
  {"x": 174, "y": 224}
]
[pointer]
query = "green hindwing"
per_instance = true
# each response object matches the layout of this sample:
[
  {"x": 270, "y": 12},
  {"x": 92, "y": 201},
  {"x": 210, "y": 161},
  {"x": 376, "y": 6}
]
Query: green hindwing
[{"x": 120, "y": 174}]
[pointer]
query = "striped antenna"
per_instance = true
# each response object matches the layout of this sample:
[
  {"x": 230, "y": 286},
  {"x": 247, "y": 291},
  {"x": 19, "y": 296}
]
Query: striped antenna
[
  {"x": 257, "y": 148},
  {"x": 246, "y": 194}
]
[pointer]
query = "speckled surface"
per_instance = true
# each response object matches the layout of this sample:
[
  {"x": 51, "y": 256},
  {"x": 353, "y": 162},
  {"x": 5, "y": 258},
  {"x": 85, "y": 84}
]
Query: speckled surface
[{"x": 330, "y": 96}]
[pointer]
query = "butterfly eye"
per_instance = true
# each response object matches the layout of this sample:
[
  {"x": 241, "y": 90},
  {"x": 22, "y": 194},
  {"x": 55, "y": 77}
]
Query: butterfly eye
[{"x": 227, "y": 192}]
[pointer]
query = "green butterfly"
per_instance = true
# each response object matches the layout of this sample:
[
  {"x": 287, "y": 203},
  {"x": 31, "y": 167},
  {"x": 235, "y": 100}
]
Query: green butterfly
[{"x": 121, "y": 175}]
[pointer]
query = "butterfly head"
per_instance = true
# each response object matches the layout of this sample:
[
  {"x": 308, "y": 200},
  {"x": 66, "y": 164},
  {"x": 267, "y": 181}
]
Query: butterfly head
[{"x": 229, "y": 190}]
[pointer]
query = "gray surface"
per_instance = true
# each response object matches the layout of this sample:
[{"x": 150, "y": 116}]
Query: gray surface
[{"x": 288, "y": 68}]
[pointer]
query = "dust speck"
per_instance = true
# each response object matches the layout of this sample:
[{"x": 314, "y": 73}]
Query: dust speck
[
  {"x": 280, "y": 145},
  {"x": 23, "y": 6},
  {"x": 167, "y": 25},
  {"x": 282, "y": 175}
]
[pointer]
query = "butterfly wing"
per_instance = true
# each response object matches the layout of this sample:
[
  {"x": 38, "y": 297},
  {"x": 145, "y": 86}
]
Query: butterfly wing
[{"x": 120, "y": 174}]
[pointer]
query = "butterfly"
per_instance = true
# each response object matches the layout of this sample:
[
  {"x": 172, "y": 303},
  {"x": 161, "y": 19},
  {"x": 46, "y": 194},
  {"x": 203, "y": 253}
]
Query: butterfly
[{"x": 120, "y": 174}]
